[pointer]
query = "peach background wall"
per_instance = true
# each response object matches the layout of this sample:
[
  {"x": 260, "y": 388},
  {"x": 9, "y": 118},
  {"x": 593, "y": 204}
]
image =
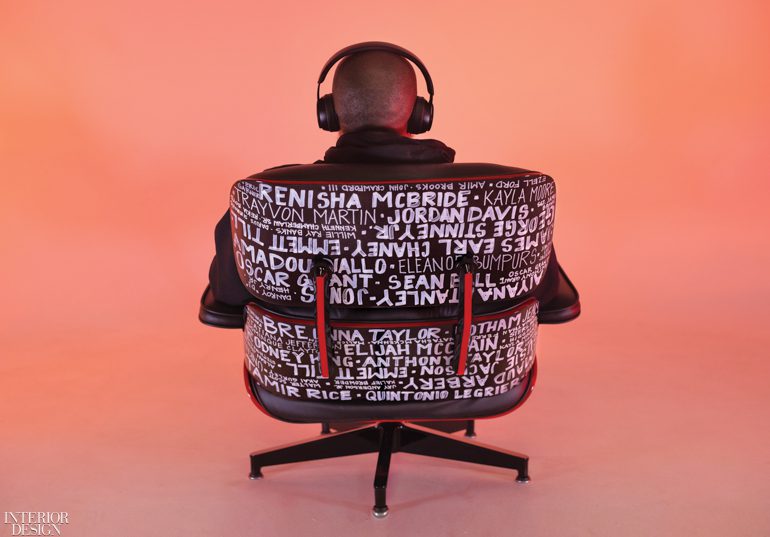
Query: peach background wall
[{"x": 123, "y": 124}]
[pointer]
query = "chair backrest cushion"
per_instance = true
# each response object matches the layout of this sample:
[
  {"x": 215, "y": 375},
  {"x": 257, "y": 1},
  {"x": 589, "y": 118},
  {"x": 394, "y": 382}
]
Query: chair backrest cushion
[{"x": 393, "y": 242}]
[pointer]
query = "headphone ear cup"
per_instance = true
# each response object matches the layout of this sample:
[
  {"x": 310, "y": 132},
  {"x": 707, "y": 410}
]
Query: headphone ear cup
[
  {"x": 327, "y": 116},
  {"x": 421, "y": 119}
]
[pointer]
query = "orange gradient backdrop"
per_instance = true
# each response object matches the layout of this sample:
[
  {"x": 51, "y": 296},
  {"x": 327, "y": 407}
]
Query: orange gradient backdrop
[{"x": 123, "y": 125}]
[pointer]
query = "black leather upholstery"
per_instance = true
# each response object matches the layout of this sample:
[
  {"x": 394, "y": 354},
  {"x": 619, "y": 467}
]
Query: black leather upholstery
[
  {"x": 218, "y": 314},
  {"x": 295, "y": 411},
  {"x": 563, "y": 306}
]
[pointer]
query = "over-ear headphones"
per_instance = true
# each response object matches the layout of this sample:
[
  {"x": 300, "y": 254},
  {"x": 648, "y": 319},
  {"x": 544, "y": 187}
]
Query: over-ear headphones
[{"x": 422, "y": 112}]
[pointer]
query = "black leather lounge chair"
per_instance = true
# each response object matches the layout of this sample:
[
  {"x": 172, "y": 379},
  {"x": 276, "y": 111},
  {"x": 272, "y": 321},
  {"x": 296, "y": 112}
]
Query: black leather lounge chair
[{"x": 391, "y": 296}]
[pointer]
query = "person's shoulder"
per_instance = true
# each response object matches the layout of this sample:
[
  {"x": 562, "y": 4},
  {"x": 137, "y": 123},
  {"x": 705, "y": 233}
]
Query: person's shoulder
[
  {"x": 291, "y": 172},
  {"x": 282, "y": 170},
  {"x": 490, "y": 168},
  {"x": 279, "y": 167}
]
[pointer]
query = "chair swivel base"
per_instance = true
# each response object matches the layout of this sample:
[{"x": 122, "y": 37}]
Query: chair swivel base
[
  {"x": 387, "y": 438},
  {"x": 445, "y": 426}
]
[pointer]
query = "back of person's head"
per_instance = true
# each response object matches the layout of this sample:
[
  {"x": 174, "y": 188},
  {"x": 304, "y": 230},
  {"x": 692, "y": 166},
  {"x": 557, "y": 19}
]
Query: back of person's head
[{"x": 374, "y": 89}]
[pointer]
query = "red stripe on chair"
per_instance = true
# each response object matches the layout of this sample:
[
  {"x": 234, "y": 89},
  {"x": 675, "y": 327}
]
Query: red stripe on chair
[
  {"x": 467, "y": 320},
  {"x": 320, "y": 324}
]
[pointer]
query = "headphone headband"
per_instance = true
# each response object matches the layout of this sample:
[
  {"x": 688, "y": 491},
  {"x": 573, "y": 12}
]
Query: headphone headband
[{"x": 375, "y": 45}]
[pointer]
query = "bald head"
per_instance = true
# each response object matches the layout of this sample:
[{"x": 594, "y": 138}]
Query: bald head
[{"x": 374, "y": 89}]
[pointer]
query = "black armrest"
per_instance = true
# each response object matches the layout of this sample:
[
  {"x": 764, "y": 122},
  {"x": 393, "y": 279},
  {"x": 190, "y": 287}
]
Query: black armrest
[
  {"x": 217, "y": 314},
  {"x": 564, "y": 306}
]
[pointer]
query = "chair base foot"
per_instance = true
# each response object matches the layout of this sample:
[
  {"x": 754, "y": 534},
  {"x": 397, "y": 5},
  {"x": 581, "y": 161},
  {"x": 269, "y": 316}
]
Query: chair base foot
[
  {"x": 380, "y": 512},
  {"x": 386, "y": 438},
  {"x": 470, "y": 429}
]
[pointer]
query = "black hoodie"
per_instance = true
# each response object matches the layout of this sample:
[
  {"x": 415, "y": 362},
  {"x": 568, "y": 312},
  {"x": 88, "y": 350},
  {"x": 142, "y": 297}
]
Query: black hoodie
[{"x": 385, "y": 146}]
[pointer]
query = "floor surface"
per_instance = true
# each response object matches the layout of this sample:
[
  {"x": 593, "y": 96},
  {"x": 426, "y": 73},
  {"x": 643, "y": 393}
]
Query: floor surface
[{"x": 634, "y": 428}]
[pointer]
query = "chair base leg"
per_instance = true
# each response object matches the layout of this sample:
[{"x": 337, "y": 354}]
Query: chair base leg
[
  {"x": 353, "y": 442},
  {"x": 452, "y": 426},
  {"x": 421, "y": 441},
  {"x": 388, "y": 442},
  {"x": 386, "y": 438}
]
